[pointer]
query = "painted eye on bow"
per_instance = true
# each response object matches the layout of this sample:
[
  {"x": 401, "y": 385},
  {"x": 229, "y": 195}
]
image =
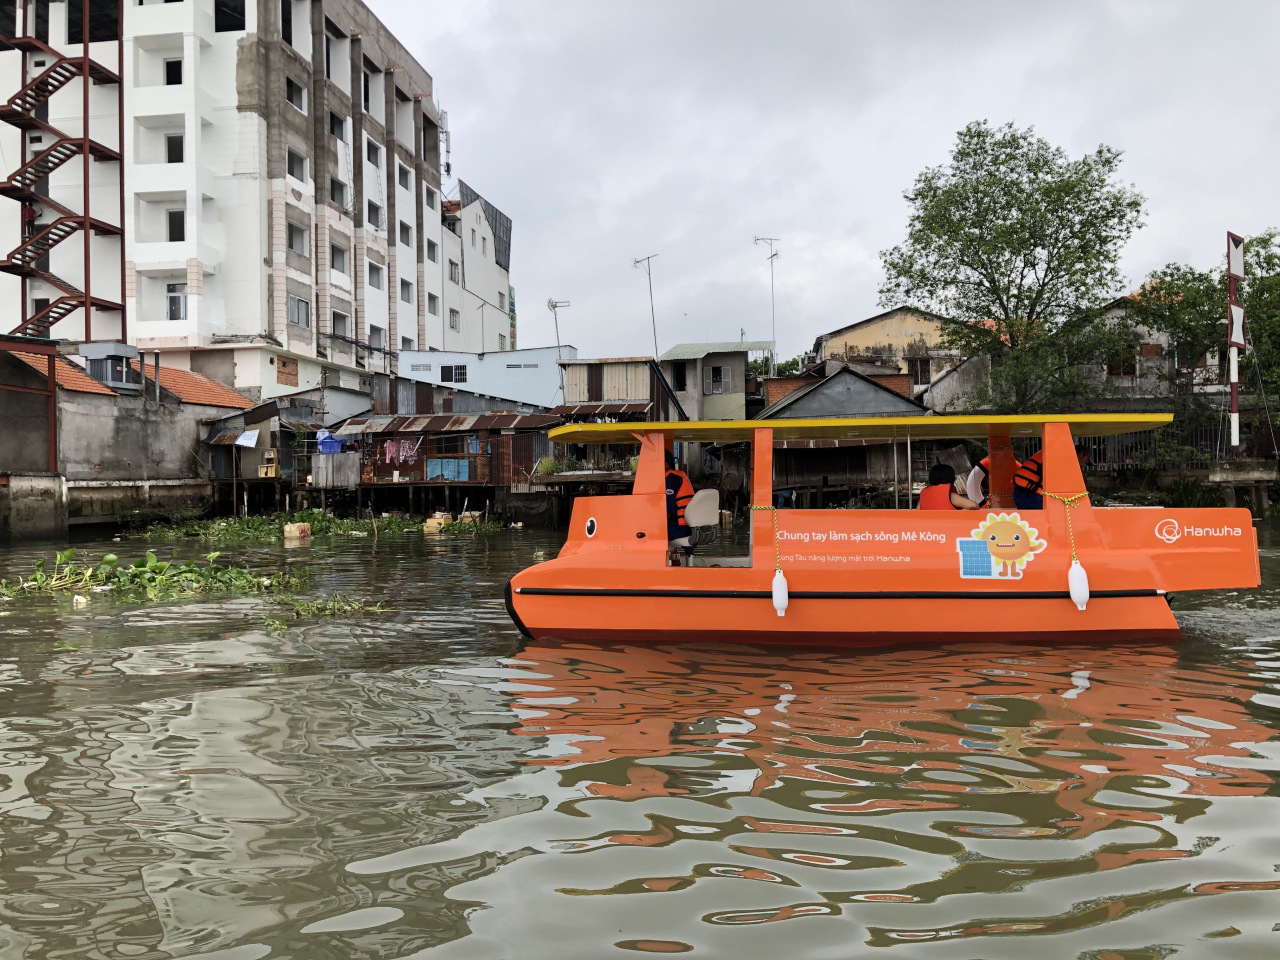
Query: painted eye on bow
[{"x": 591, "y": 527}]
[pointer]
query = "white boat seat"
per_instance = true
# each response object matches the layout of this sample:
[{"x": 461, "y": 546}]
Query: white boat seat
[{"x": 704, "y": 509}]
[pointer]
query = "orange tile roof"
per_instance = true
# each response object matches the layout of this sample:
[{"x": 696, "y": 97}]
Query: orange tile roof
[
  {"x": 70, "y": 377},
  {"x": 197, "y": 388}
]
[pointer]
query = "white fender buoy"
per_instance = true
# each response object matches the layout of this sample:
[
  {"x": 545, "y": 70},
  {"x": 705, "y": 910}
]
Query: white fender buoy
[
  {"x": 1078, "y": 582},
  {"x": 780, "y": 597}
]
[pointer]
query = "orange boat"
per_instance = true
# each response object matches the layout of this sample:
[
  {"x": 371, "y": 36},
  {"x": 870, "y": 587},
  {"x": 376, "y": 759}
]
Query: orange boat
[{"x": 1064, "y": 573}]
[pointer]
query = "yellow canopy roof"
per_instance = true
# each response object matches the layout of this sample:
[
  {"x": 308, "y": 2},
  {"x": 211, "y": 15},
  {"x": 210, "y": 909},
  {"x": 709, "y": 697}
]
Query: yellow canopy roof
[{"x": 867, "y": 428}]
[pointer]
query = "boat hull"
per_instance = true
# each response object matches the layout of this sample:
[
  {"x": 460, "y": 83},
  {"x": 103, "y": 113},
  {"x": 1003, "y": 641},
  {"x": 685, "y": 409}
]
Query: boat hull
[{"x": 835, "y": 617}]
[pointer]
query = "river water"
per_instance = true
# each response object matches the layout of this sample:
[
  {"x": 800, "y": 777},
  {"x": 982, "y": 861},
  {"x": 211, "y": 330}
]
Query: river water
[{"x": 176, "y": 781}]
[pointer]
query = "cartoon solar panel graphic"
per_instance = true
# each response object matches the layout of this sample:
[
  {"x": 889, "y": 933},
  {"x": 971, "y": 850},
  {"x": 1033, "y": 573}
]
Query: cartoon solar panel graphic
[{"x": 975, "y": 558}]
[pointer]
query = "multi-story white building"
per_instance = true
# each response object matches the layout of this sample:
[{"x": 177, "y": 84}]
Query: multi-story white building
[{"x": 264, "y": 195}]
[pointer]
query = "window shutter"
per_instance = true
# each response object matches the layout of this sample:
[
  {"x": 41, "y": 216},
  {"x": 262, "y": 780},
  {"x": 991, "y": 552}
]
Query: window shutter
[
  {"x": 726, "y": 374},
  {"x": 706, "y": 381}
]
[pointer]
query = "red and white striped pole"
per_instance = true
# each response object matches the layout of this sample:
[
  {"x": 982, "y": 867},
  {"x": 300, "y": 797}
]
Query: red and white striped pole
[{"x": 1235, "y": 331}]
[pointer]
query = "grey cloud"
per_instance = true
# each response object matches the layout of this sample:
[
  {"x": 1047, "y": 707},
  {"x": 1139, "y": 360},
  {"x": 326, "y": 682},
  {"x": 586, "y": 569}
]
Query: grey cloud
[{"x": 609, "y": 131}]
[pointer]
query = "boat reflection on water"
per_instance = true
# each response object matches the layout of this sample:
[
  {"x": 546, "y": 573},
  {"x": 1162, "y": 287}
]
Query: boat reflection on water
[{"x": 919, "y": 769}]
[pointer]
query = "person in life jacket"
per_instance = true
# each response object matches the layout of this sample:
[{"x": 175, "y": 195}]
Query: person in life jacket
[
  {"x": 679, "y": 493},
  {"x": 977, "y": 485},
  {"x": 941, "y": 493},
  {"x": 1028, "y": 481}
]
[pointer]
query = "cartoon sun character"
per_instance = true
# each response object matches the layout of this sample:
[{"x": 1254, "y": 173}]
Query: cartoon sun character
[{"x": 1010, "y": 541}]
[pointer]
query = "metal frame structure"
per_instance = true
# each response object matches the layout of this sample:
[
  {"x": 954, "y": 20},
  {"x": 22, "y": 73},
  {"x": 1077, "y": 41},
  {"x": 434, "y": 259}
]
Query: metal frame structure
[
  {"x": 49, "y": 350},
  {"x": 22, "y": 110}
]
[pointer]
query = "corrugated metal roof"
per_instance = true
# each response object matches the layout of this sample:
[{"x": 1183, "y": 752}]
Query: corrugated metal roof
[
  {"x": 463, "y": 423},
  {"x": 224, "y": 438},
  {"x": 696, "y": 351},
  {"x": 599, "y": 409}
]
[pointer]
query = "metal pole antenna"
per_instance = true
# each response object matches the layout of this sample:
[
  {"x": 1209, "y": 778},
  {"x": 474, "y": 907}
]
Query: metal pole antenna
[
  {"x": 652, "y": 317},
  {"x": 773, "y": 310},
  {"x": 554, "y": 305}
]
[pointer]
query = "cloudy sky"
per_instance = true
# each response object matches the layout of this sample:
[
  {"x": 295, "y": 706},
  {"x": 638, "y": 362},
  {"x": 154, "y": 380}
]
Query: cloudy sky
[{"x": 614, "y": 130}]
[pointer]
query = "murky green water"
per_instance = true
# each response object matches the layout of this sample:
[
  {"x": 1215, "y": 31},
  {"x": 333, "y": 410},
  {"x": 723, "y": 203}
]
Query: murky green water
[{"x": 177, "y": 782}]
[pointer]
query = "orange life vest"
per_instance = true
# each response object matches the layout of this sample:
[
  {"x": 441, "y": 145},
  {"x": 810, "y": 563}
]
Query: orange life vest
[
  {"x": 679, "y": 493},
  {"x": 937, "y": 497},
  {"x": 1030, "y": 476}
]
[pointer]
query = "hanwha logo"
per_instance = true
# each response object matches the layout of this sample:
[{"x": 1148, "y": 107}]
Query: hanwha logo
[{"x": 1168, "y": 530}]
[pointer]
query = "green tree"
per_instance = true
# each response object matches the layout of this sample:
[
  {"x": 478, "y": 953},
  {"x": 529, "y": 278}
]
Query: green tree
[
  {"x": 1017, "y": 246},
  {"x": 787, "y": 368}
]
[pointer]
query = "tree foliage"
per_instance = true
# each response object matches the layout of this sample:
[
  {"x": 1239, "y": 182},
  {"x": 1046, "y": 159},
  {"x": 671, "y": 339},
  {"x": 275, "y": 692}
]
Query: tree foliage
[{"x": 1017, "y": 246}]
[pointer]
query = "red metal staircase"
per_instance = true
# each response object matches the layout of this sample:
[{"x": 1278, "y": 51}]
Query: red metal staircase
[{"x": 29, "y": 259}]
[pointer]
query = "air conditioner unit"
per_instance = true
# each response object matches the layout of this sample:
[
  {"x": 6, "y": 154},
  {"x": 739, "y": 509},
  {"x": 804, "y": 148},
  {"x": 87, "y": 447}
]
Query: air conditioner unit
[{"x": 111, "y": 365}]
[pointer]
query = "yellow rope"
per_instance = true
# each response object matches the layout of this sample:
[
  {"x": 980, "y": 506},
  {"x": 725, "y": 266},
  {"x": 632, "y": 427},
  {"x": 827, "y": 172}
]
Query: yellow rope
[
  {"x": 777, "y": 546},
  {"x": 1071, "y": 505}
]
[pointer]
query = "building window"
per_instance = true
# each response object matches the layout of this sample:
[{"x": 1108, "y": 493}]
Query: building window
[
  {"x": 716, "y": 380},
  {"x": 338, "y": 192},
  {"x": 295, "y": 94},
  {"x": 406, "y": 234},
  {"x": 102, "y": 21},
  {"x": 429, "y": 197},
  {"x": 173, "y": 73},
  {"x": 433, "y": 305},
  {"x": 175, "y": 301},
  {"x": 1123, "y": 366},
  {"x": 484, "y": 246},
  {"x": 405, "y": 180},
  {"x": 297, "y": 239},
  {"x": 372, "y": 152},
  {"x": 406, "y": 343},
  {"x": 337, "y": 126},
  {"x": 339, "y": 258},
  {"x": 286, "y": 21},
  {"x": 455, "y": 319},
  {"x": 376, "y": 340},
  {"x": 366, "y": 83},
  {"x": 473, "y": 238},
  {"x": 173, "y": 148},
  {"x": 679, "y": 376},
  {"x": 502, "y": 341},
  {"x": 375, "y": 216},
  {"x": 228, "y": 15},
  {"x": 502, "y": 302},
  {"x": 177, "y": 224},
  {"x": 420, "y": 368},
  {"x": 341, "y": 324},
  {"x": 328, "y": 57},
  {"x": 454, "y": 374},
  {"x": 433, "y": 251},
  {"x": 295, "y": 165},
  {"x": 406, "y": 291},
  {"x": 455, "y": 274},
  {"x": 299, "y": 312},
  {"x": 918, "y": 368},
  {"x": 375, "y": 276}
]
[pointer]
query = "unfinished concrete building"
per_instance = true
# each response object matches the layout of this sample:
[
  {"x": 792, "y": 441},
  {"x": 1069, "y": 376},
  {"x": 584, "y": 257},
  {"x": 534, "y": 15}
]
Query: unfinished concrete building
[{"x": 256, "y": 194}]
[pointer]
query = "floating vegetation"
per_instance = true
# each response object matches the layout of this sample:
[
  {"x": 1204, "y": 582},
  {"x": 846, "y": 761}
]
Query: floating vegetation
[
  {"x": 316, "y": 608},
  {"x": 148, "y": 578},
  {"x": 469, "y": 528},
  {"x": 270, "y": 528}
]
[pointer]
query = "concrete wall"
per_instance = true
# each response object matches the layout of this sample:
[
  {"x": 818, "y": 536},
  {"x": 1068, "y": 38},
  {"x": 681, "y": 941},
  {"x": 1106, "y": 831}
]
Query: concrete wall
[
  {"x": 530, "y": 376},
  {"x": 891, "y": 338},
  {"x": 32, "y": 507}
]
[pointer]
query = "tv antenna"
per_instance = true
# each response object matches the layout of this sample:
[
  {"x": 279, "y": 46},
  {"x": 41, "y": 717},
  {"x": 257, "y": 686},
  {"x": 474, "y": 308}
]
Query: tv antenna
[
  {"x": 554, "y": 306},
  {"x": 648, "y": 270},
  {"x": 773, "y": 312}
]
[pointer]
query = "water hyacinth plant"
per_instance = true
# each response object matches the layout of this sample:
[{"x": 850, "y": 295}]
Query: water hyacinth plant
[
  {"x": 148, "y": 578},
  {"x": 271, "y": 528}
]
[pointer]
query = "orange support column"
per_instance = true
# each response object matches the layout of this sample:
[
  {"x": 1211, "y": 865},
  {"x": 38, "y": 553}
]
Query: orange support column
[
  {"x": 762, "y": 492},
  {"x": 1003, "y": 467},
  {"x": 651, "y": 472}
]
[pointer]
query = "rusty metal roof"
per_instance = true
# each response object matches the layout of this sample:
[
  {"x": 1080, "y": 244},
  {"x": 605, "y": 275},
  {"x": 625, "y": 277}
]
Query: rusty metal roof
[
  {"x": 600, "y": 409},
  {"x": 224, "y": 438},
  {"x": 464, "y": 423}
]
